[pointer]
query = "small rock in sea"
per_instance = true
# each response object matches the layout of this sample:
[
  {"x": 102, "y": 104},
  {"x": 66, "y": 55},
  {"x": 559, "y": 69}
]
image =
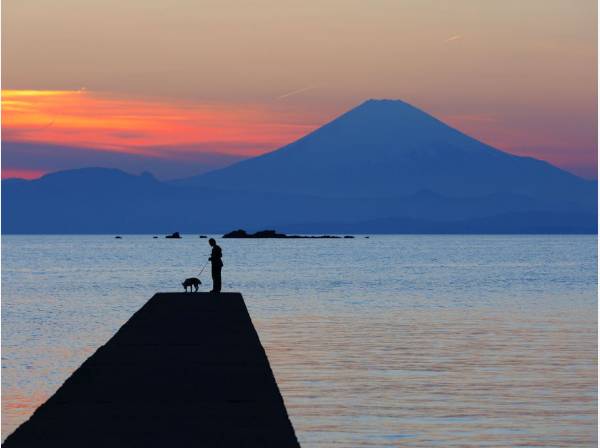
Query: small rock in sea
[
  {"x": 202, "y": 236},
  {"x": 118, "y": 237},
  {"x": 240, "y": 233},
  {"x": 154, "y": 237},
  {"x": 366, "y": 237},
  {"x": 174, "y": 235},
  {"x": 348, "y": 236},
  {"x": 268, "y": 234}
]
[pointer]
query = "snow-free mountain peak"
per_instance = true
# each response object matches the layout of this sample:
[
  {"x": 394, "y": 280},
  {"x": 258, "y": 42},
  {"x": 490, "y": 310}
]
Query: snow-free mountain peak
[
  {"x": 384, "y": 166},
  {"x": 386, "y": 148}
]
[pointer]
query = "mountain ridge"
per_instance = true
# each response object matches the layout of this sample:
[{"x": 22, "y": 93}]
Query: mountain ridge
[
  {"x": 388, "y": 145},
  {"x": 381, "y": 159}
]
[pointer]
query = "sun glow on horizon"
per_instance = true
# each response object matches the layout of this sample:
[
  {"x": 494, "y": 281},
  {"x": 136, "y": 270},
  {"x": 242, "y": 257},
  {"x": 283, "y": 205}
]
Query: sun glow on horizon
[
  {"x": 81, "y": 118},
  {"x": 174, "y": 130}
]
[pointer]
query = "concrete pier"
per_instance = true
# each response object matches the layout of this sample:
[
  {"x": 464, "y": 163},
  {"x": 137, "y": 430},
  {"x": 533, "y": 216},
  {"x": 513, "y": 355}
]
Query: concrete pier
[{"x": 187, "y": 370}]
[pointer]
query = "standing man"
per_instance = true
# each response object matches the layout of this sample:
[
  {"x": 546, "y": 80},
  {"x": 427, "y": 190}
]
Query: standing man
[{"x": 217, "y": 265}]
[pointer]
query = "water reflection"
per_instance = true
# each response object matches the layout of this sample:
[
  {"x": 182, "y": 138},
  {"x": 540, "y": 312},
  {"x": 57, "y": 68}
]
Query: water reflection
[
  {"x": 418, "y": 378},
  {"x": 388, "y": 341}
]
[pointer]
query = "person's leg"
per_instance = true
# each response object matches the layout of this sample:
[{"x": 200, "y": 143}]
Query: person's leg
[
  {"x": 217, "y": 279},
  {"x": 213, "y": 272}
]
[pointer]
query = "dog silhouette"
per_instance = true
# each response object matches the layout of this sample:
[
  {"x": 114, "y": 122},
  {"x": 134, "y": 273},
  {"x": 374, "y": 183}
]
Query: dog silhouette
[{"x": 191, "y": 282}]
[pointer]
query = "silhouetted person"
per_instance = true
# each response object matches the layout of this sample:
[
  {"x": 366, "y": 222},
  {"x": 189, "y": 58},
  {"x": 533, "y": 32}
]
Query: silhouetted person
[{"x": 216, "y": 264}]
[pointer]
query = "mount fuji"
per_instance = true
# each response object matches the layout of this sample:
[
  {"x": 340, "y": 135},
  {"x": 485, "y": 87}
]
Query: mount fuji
[
  {"x": 382, "y": 167},
  {"x": 388, "y": 148}
]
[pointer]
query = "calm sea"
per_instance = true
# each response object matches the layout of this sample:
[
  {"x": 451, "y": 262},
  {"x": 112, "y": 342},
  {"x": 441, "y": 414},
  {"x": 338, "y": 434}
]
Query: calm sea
[{"x": 386, "y": 341}]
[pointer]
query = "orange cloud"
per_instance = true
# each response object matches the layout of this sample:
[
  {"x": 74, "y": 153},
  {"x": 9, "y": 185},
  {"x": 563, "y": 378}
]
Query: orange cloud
[{"x": 81, "y": 118}]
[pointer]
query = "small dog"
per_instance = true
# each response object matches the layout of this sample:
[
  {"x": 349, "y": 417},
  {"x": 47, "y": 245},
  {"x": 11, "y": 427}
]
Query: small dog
[{"x": 191, "y": 282}]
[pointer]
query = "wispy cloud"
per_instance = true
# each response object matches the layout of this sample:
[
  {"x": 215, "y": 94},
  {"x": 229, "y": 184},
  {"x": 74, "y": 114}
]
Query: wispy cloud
[
  {"x": 295, "y": 92},
  {"x": 452, "y": 38}
]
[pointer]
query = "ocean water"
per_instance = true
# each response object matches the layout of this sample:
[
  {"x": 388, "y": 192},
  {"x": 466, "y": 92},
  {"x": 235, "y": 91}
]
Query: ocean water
[{"x": 387, "y": 341}]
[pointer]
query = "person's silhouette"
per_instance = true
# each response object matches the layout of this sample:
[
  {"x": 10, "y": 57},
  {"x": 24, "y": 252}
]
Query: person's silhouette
[{"x": 216, "y": 264}]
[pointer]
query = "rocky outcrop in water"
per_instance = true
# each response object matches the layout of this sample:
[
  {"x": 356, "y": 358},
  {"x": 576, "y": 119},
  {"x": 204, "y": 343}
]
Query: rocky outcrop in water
[{"x": 241, "y": 233}]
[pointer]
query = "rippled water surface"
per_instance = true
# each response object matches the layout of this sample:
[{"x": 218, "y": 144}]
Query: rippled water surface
[{"x": 387, "y": 341}]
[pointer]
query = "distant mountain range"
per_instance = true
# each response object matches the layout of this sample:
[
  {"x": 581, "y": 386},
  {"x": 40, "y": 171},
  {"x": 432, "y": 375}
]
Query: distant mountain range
[{"x": 383, "y": 167}]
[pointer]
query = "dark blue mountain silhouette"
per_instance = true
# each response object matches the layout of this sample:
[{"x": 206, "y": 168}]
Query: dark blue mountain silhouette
[
  {"x": 390, "y": 148},
  {"x": 383, "y": 167},
  {"x": 48, "y": 157}
]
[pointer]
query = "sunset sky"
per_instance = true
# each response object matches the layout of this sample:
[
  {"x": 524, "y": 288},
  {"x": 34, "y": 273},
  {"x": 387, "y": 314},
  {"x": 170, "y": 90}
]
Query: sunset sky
[{"x": 178, "y": 88}]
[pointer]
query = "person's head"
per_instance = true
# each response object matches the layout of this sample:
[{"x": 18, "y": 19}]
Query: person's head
[{"x": 212, "y": 242}]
